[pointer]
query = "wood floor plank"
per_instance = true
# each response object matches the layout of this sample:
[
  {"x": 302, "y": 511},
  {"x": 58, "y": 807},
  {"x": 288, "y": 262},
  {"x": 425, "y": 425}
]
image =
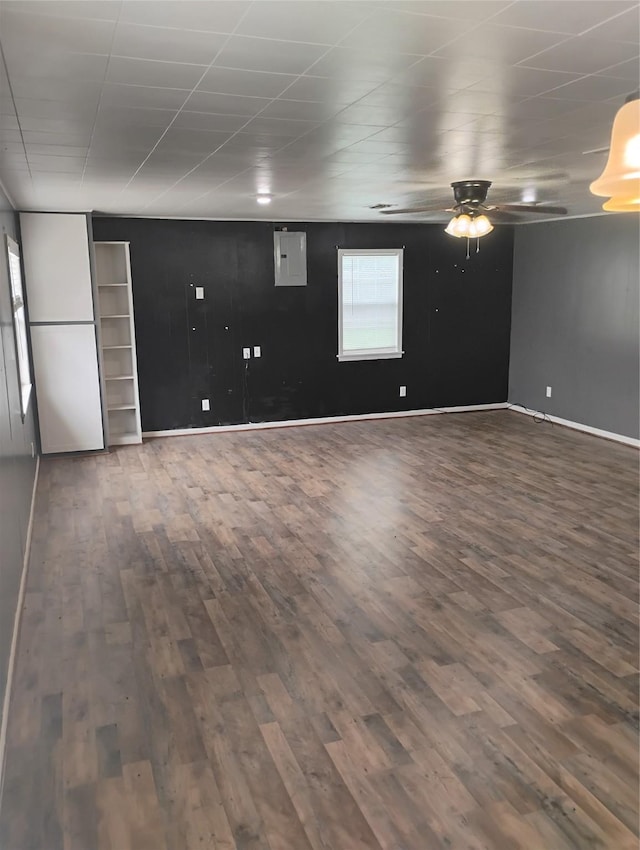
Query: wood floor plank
[{"x": 416, "y": 634}]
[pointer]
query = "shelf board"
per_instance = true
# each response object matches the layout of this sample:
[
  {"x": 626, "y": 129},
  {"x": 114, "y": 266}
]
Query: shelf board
[
  {"x": 116, "y": 316},
  {"x": 111, "y": 407},
  {"x": 126, "y": 439},
  {"x": 118, "y": 377},
  {"x": 101, "y": 285},
  {"x": 112, "y": 347}
]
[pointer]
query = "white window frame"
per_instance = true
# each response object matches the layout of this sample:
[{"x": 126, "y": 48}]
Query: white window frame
[
  {"x": 370, "y": 353},
  {"x": 19, "y": 324}
]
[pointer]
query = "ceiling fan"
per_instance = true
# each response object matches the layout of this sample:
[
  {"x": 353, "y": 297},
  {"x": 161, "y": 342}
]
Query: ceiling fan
[
  {"x": 470, "y": 199},
  {"x": 470, "y": 220}
]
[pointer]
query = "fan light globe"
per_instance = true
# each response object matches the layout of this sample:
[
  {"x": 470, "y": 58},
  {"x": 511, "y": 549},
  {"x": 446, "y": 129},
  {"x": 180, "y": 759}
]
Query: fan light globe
[
  {"x": 451, "y": 228},
  {"x": 464, "y": 223},
  {"x": 620, "y": 180},
  {"x": 483, "y": 225},
  {"x": 460, "y": 225}
]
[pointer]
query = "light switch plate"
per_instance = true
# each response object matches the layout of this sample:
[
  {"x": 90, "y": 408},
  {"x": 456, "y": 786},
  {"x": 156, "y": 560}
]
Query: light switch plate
[
  {"x": 256, "y": 351},
  {"x": 199, "y": 292},
  {"x": 246, "y": 353}
]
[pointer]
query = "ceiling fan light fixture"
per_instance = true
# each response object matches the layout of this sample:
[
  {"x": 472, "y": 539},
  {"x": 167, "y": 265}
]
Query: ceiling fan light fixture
[
  {"x": 468, "y": 226},
  {"x": 620, "y": 180}
]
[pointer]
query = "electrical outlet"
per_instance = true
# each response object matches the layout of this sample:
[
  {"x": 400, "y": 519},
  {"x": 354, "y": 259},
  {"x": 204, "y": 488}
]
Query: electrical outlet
[
  {"x": 246, "y": 353},
  {"x": 256, "y": 351},
  {"x": 200, "y": 293},
  {"x": 548, "y": 392},
  {"x": 205, "y": 404},
  {"x": 403, "y": 392}
]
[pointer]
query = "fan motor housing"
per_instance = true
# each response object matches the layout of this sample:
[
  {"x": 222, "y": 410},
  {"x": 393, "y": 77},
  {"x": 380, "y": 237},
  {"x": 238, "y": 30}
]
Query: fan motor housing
[{"x": 470, "y": 191}]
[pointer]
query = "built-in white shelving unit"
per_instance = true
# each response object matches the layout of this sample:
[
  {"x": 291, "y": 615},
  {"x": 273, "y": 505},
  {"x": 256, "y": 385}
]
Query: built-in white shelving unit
[{"x": 117, "y": 342}]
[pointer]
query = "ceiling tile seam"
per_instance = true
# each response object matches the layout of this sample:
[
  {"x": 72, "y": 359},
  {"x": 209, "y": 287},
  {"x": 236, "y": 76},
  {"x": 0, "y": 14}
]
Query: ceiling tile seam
[
  {"x": 612, "y": 18},
  {"x": 201, "y": 65},
  {"x": 603, "y": 71},
  {"x": 155, "y": 62},
  {"x": 207, "y": 69},
  {"x": 432, "y": 54},
  {"x": 599, "y": 73},
  {"x": 33, "y": 14},
  {"x": 287, "y": 40},
  {"x": 523, "y": 62},
  {"x": 562, "y": 86},
  {"x": 557, "y": 32},
  {"x": 104, "y": 77},
  {"x": 39, "y": 14},
  {"x": 13, "y": 101},
  {"x": 181, "y": 29},
  {"x": 391, "y": 6},
  {"x": 272, "y": 100}
]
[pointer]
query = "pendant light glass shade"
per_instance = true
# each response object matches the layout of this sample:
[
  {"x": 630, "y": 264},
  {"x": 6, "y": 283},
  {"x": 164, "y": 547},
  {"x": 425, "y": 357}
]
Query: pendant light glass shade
[
  {"x": 458, "y": 225},
  {"x": 480, "y": 226},
  {"x": 620, "y": 180},
  {"x": 617, "y": 205}
]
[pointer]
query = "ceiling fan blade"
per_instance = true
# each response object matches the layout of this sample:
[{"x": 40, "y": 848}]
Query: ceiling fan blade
[
  {"x": 413, "y": 210},
  {"x": 497, "y": 216},
  {"x": 532, "y": 208}
]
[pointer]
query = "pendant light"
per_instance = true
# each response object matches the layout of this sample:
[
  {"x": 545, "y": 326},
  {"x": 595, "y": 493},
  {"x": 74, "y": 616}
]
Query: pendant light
[{"x": 620, "y": 180}]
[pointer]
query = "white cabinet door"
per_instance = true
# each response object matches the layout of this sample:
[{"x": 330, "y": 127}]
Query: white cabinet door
[
  {"x": 65, "y": 362},
  {"x": 55, "y": 251}
]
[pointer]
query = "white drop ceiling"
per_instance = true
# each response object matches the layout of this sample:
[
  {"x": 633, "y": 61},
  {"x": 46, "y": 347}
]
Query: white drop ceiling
[{"x": 189, "y": 108}]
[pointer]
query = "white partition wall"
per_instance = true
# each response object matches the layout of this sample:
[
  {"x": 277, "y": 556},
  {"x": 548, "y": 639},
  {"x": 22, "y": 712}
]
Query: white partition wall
[
  {"x": 58, "y": 282},
  {"x": 56, "y": 266},
  {"x": 68, "y": 387}
]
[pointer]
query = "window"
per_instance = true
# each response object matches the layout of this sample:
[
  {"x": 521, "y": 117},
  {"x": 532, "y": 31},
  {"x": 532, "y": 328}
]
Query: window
[
  {"x": 19, "y": 324},
  {"x": 370, "y": 304}
]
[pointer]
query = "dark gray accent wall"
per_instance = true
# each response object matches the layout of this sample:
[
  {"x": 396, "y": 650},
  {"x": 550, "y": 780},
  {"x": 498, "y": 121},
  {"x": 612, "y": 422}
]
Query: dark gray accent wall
[
  {"x": 17, "y": 467},
  {"x": 456, "y": 322},
  {"x": 574, "y": 323}
]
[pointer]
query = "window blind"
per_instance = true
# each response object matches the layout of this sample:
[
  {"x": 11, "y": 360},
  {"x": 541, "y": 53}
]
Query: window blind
[
  {"x": 370, "y": 302},
  {"x": 19, "y": 324}
]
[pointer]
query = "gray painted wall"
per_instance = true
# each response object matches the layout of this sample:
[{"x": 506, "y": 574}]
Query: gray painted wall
[
  {"x": 574, "y": 323},
  {"x": 17, "y": 467}
]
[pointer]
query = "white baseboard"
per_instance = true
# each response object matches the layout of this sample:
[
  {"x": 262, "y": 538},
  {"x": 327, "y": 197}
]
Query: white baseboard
[
  {"x": 16, "y": 629},
  {"x": 578, "y": 426},
  {"x": 321, "y": 420}
]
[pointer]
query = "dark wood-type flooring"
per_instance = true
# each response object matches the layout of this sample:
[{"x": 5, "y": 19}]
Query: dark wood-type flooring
[{"x": 406, "y": 634}]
